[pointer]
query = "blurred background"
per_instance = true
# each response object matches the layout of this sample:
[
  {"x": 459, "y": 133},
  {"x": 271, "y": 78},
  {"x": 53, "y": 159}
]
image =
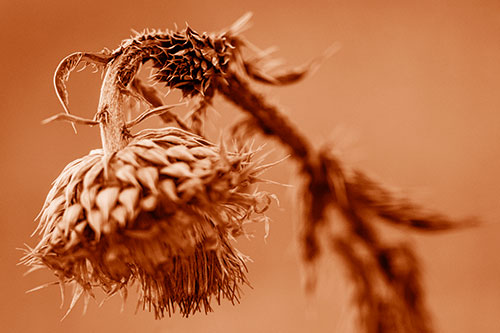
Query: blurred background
[{"x": 411, "y": 97}]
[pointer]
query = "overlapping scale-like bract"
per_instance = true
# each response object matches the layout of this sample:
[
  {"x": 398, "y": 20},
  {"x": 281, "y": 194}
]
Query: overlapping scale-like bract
[{"x": 160, "y": 212}]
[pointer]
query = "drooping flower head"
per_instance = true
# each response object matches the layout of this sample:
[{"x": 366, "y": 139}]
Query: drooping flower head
[{"x": 161, "y": 212}]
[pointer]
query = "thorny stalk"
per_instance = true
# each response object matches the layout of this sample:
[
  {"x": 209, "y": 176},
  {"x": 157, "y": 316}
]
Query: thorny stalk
[{"x": 388, "y": 290}]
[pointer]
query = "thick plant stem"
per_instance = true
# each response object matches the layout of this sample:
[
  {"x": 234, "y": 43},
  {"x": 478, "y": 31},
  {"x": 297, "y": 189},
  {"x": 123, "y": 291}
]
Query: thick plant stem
[
  {"x": 110, "y": 115},
  {"x": 114, "y": 133}
]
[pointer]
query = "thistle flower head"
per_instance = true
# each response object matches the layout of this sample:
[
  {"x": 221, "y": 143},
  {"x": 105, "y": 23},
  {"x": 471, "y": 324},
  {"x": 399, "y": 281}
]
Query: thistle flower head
[{"x": 160, "y": 212}]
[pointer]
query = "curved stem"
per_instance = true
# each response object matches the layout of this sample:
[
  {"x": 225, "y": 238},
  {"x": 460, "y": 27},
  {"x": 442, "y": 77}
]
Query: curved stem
[
  {"x": 120, "y": 71},
  {"x": 114, "y": 134},
  {"x": 270, "y": 121}
]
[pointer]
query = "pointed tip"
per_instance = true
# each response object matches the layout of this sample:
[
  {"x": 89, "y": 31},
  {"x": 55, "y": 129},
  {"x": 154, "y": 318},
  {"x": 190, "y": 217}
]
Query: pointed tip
[
  {"x": 86, "y": 299},
  {"x": 135, "y": 32},
  {"x": 241, "y": 24},
  {"x": 332, "y": 49},
  {"x": 61, "y": 290},
  {"x": 40, "y": 287},
  {"x": 77, "y": 293}
]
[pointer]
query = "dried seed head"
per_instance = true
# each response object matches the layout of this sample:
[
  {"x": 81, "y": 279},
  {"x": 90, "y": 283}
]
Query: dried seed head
[{"x": 160, "y": 212}]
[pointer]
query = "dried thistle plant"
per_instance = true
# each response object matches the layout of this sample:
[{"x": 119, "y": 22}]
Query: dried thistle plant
[{"x": 178, "y": 211}]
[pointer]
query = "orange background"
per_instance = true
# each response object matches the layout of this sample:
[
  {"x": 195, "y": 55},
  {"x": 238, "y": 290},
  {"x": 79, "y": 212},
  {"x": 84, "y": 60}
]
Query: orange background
[{"x": 412, "y": 95}]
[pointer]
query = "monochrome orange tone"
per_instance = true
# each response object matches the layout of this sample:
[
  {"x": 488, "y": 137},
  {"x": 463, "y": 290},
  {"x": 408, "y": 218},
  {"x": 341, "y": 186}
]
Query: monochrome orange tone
[{"x": 343, "y": 211}]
